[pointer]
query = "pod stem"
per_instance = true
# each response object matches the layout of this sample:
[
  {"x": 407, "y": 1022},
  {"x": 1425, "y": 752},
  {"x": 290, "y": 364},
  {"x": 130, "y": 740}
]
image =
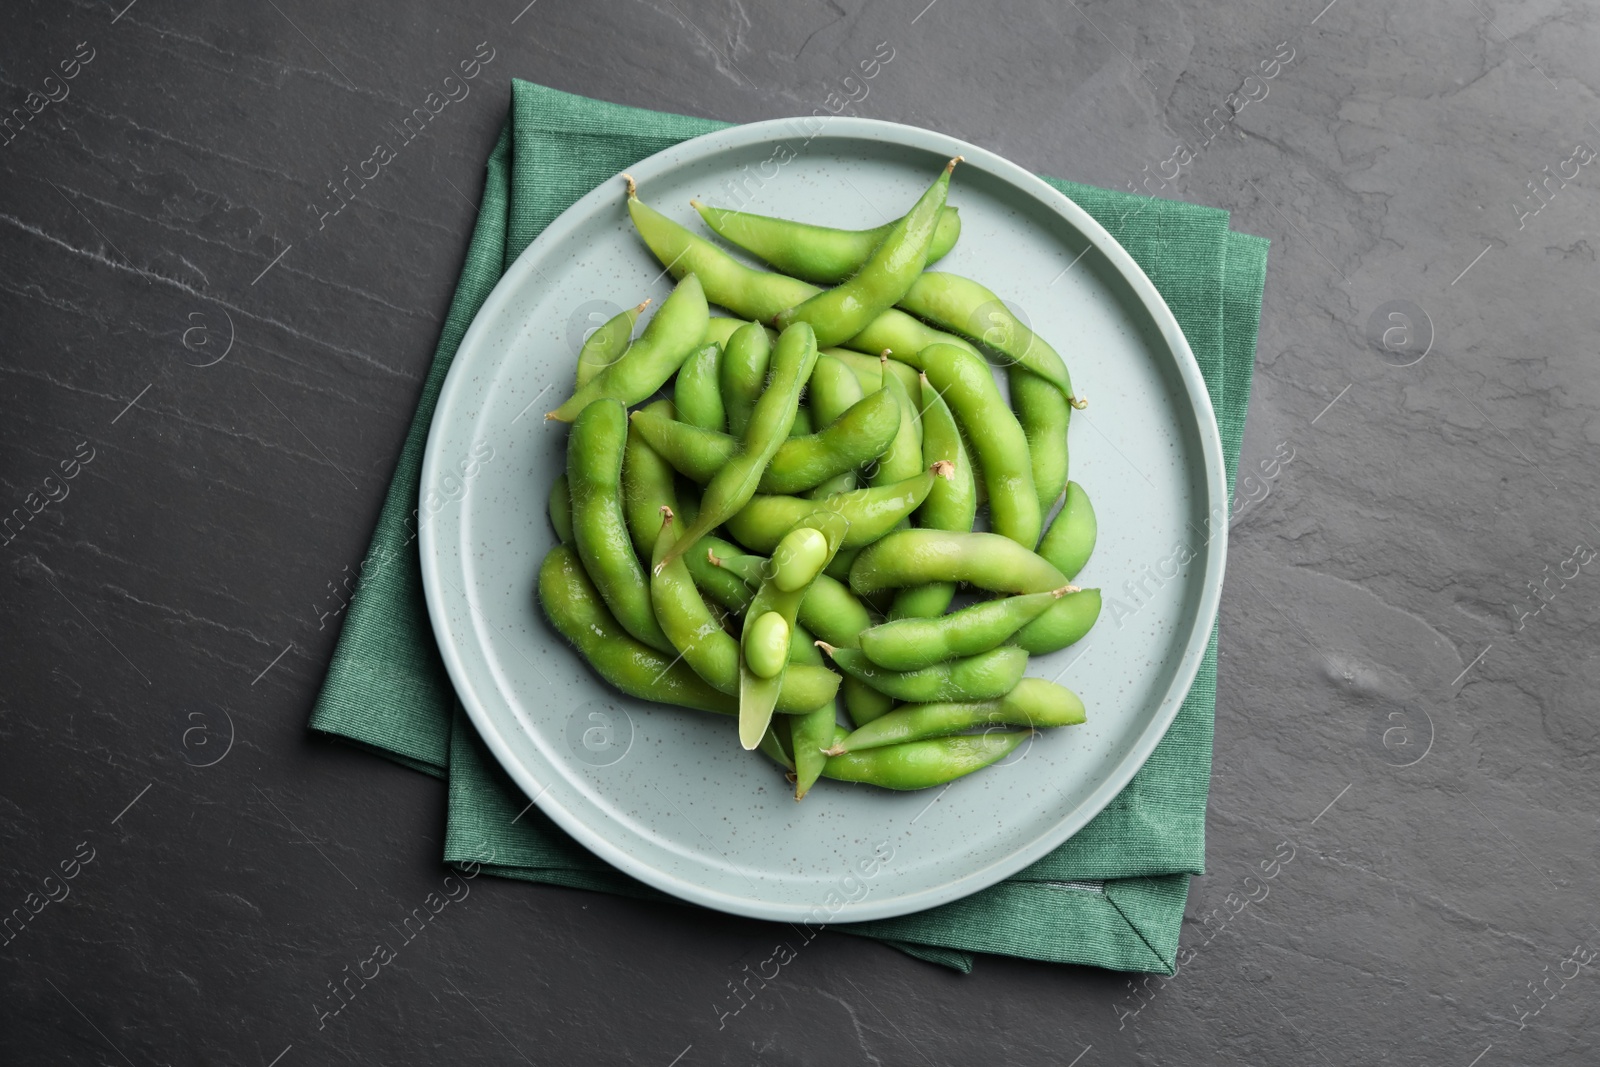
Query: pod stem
[
  {"x": 1057, "y": 593},
  {"x": 950, "y": 166},
  {"x": 829, "y": 649},
  {"x": 1078, "y": 402},
  {"x": 943, "y": 468},
  {"x": 646, "y": 303},
  {"x": 633, "y": 186},
  {"x": 836, "y": 750}
]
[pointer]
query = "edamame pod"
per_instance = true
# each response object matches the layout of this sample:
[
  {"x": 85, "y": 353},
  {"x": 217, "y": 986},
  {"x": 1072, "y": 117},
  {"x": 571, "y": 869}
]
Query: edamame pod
[
  {"x": 1064, "y": 622},
  {"x": 1000, "y": 448},
  {"x": 911, "y": 644},
  {"x": 746, "y": 359},
  {"x": 1070, "y": 539},
  {"x": 856, "y": 437},
  {"x": 818, "y": 254},
  {"x": 871, "y": 513},
  {"x": 1034, "y": 702},
  {"x": 903, "y": 458},
  {"x": 702, "y": 644},
  {"x": 697, "y": 393},
  {"x": 869, "y": 369},
  {"x": 606, "y": 345},
  {"x": 1043, "y": 413},
  {"x": 952, "y": 503},
  {"x": 840, "y": 313},
  {"x": 757, "y": 695},
  {"x": 988, "y": 674},
  {"x": 722, "y": 584},
  {"x": 673, "y": 334},
  {"x": 574, "y": 608},
  {"x": 735, "y": 484},
  {"x": 811, "y": 733},
  {"x": 594, "y": 478},
  {"x": 648, "y": 484},
  {"x": 962, "y": 306},
  {"x": 834, "y": 388},
  {"x": 561, "y": 510},
  {"x": 924, "y": 764},
  {"x": 985, "y": 560},
  {"x": 864, "y": 703},
  {"x": 760, "y": 295}
]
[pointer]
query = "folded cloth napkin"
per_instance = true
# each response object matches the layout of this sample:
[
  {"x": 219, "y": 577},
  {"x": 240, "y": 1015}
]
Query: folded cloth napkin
[{"x": 1113, "y": 896}]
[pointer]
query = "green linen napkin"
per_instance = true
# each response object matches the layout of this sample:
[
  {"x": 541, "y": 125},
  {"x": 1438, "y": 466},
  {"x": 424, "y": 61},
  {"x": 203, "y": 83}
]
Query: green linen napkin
[{"x": 1113, "y": 896}]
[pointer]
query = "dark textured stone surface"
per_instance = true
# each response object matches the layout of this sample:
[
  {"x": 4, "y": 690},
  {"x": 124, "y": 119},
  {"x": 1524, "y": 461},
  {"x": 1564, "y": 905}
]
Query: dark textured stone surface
[{"x": 1375, "y": 586}]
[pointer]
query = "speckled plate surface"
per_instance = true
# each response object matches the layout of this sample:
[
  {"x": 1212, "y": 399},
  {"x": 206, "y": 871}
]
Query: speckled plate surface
[{"x": 667, "y": 795}]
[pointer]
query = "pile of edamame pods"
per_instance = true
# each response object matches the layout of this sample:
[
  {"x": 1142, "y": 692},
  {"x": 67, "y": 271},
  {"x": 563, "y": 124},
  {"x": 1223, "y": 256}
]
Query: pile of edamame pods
[{"x": 797, "y": 488}]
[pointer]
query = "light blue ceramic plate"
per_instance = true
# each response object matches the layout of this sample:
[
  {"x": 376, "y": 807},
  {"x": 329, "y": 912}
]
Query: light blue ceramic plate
[{"x": 667, "y": 795}]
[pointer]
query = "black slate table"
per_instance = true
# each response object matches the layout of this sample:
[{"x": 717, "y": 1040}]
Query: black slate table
[{"x": 206, "y": 379}]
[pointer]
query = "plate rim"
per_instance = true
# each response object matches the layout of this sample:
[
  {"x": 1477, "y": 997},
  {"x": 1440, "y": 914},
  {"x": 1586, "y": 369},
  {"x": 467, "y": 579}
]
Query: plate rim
[{"x": 437, "y": 590}]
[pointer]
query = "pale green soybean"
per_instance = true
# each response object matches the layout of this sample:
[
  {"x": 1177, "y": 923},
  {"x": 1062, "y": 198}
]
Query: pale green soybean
[
  {"x": 988, "y": 674},
  {"x": 910, "y": 644},
  {"x": 1034, "y": 702},
  {"x": 600, "y": 532},
  {"x": 674, "y": 332},
  {"x": 606, "y": 344},
  {"x": 818, "y": 254},
  {"x": 799, "y": 558},
  {"x": 1070, "y": 539},
  {"x": 697, "y": 393},
  {"x": 766, "y": 644}
]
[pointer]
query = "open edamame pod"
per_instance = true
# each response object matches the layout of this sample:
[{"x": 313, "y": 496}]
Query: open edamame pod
[
  {"x": 735, "y": 484},
  {"x": 840, "y": 313},
  {"x": 800, "y": 463},
  {"x": 981, "y": 677},
  {"x": 758, "y": 695},
  {"x": 830, "y": 609},
  {"x": 986, "y": 560},
  {"x": 606, "y": 345},
  {"x": 819, "y": 254},
  {"x": 674, "y": 332},
  {"x": 574, "y": 608},
  {"x": 594, "y": 479},
  {"x": 910, "y": 644},
  {"x": 1069, "y": 541},
  {"x": 1034, "y": 702},
  {"x": 697, "y": 392},
  {"x": 708, "y": 651},
  {"x": 924, "y": 764},
  {"x": 871, "y": 513}
]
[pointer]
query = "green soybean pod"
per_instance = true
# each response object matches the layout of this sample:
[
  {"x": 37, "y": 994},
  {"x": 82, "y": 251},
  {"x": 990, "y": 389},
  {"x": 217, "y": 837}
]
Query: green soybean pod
[
  {"x": 606, "y": 344},
  {"x": 600, "y": 532},
  {"x": 869, "y": 370},
  {"x": 674, "y": 332},
  {"x": 924, "y": 764},
  {"x": 697, "y": 393},
  {"x": 910, "y": 644},
  {"x": 560, "y": 509},
  {"x": 903, "y": 458},
  {"x": 811, "y": 733},
  {"x": 1043, "y": 412},
  {"x": 818, "y": 254},
  {"x": 833, "y": 389},
  {"x": 840, "y": 313},
  {"x": 802, "y": 425},
  {"x": 988, "y": 674},
  {"x": 719, "y": 582},
  {"x": 734, "y": 485},
  {"x": 871, "y": 513},
  {"x": 745, "y": 361},
  {"x": 1070, "y": 539},
  {"x": 962, "y": 306},
  {"x": 706, "y": 648},
  {"x": 1000, "y": 447},
  {"x": 985, "y": 560},
  {"x": 952, "y": 503},
  {"x": 1034, "y": 703},
  {"x": 574, "y": 607},
  {"x": 757, "y": 695},
  {"x": 648, "y": 484},
  {"x": 761, "y": 295},
  {"x": 1065, "y": 621},
  {"x": 864, "y": 703}
]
